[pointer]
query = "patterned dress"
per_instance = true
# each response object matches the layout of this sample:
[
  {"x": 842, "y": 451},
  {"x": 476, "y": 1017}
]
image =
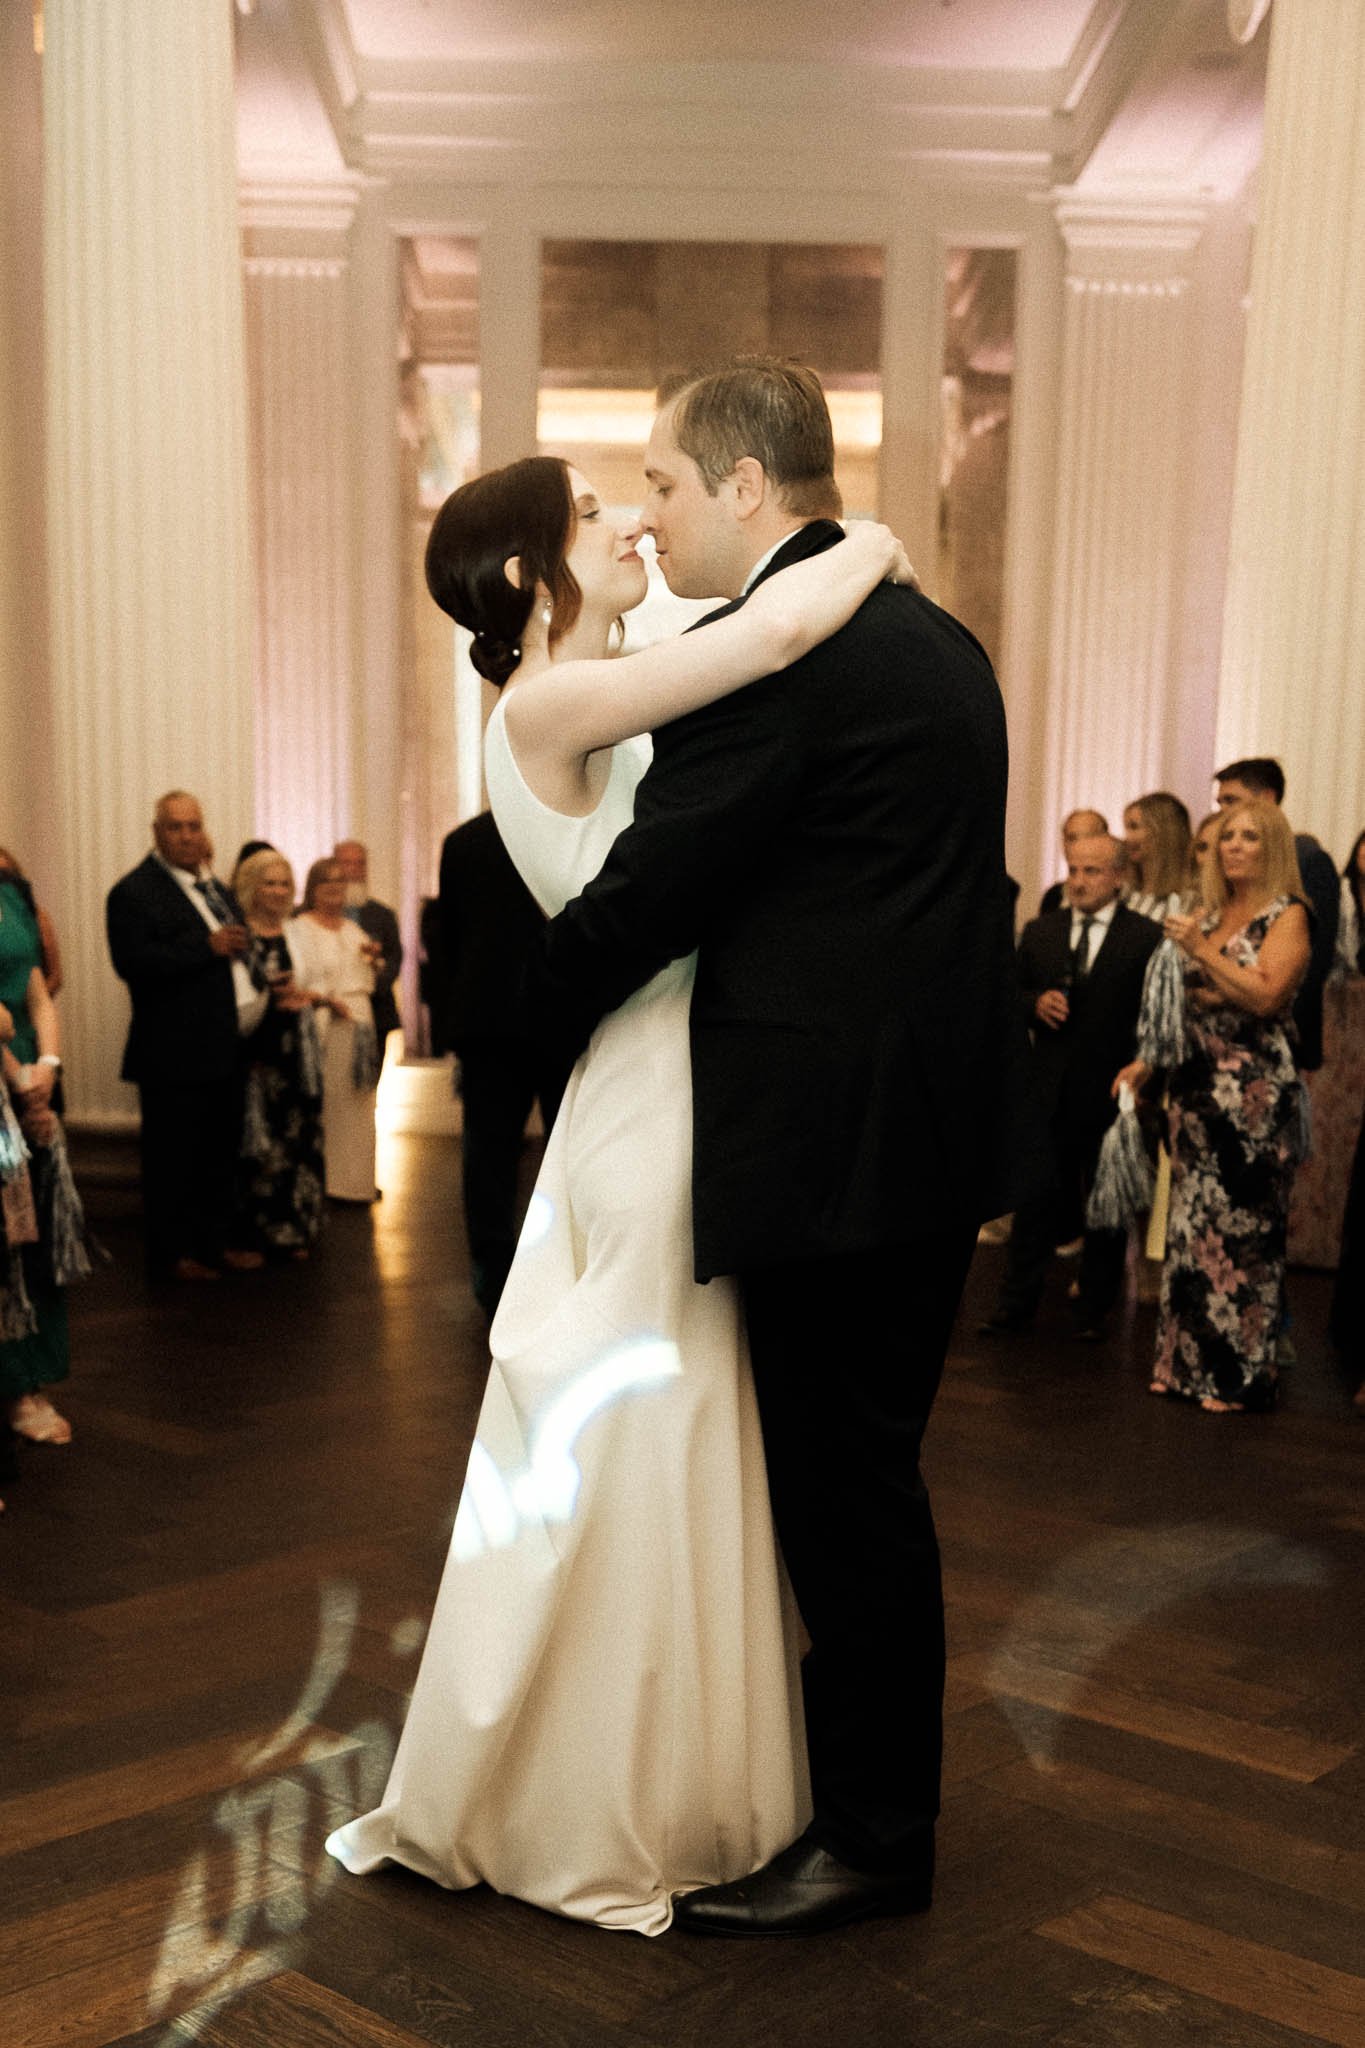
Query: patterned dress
[
  {"x": 1236, "y": 1109},
  {"x": 280, "y": 1206}
]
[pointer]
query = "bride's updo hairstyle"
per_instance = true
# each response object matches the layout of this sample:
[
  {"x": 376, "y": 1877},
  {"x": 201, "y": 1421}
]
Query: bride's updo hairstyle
[{"x": 527, "y": 510}]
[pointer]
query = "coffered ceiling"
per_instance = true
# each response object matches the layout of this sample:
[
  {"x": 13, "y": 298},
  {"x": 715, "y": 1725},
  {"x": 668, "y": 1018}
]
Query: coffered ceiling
[{"x": 1027, "y": 93}]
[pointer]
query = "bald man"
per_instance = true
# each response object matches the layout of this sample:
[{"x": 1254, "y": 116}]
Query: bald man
[
  {"x": 177, "y": 937},
  {"x": 1075, "y": 825},
  {"x": 1081, "y": 970}
]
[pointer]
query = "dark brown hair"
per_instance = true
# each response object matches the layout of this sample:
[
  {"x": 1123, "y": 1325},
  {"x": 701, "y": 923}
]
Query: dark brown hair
[
  {"x": 1261, "y": 774},
  {"x": 525, "y": 509},
  {"x": 768, "y": 407}
]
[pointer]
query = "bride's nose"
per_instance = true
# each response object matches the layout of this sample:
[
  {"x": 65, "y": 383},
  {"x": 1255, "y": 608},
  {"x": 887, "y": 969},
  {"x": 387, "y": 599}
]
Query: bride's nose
[{"x": 632, "y": 530}]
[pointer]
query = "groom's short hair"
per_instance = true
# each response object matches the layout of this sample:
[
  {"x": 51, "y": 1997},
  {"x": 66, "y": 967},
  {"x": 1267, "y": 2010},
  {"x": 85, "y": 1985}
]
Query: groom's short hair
[{"x": 772, "y": 409}]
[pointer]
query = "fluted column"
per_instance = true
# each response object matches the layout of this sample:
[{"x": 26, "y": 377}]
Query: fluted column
[
  {"x": 1293, "y": 667},
  {"x": 1111, "y": 686},
  {"x": 147, "y": 477},
  {"x": 304, "y": 496},
  {"x": 25, "y": 738}
]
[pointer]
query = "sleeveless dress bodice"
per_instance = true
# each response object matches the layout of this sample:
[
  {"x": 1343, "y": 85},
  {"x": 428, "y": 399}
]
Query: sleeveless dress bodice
[{"x": 557, "y": 855}]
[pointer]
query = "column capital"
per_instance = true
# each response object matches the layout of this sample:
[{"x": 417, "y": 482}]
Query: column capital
[
  {"x": 283, "y": 221},
  {"x": 1129, "y": 243}
]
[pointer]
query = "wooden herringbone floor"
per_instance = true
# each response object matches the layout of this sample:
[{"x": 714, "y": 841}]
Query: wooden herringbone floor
[{"x": 210, "y": 1607}]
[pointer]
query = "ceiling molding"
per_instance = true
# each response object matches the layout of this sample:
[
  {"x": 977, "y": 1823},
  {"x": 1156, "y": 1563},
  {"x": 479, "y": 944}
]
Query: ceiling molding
[{"x": 1133, "y": 33}]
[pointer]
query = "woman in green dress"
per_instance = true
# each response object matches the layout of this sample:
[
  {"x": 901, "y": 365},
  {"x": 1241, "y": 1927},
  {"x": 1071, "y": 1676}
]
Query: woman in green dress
[{"x": 30, "y": 1364}]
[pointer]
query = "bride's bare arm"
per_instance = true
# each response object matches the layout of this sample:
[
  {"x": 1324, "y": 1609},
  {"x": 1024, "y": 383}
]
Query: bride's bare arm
[{"x": 571, "y": 709}]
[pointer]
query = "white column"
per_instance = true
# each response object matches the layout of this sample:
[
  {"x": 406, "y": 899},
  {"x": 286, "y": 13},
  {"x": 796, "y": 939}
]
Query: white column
[
  {"x": 147, "y": 479},
  {"x": 26, "y": 810},
  {"x": 304, "y": 497},
  {"x": 1112, "y": 687},
  {"x": 379, "y": 804},
  {"x": 1293, "y": 669}
]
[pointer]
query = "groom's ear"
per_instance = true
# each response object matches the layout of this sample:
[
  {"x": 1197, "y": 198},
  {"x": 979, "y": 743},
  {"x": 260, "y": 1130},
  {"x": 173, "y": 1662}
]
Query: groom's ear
[
  {"x": 511, "y": 569},
  {"x": 749, "y": 480}
]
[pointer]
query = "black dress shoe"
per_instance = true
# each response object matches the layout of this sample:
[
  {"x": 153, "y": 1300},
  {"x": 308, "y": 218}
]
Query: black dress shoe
[
  {"x": 1004, "y": 1324},
  {"x": 802, "y": 1891}
]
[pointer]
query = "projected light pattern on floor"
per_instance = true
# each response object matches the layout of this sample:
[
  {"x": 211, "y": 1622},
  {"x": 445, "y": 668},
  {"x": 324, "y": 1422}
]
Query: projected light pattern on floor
[
  {"x": 495, "y": 1505},
  {"x": 239, "y": 1909},
  {"x": 1058, "y": 1638}
]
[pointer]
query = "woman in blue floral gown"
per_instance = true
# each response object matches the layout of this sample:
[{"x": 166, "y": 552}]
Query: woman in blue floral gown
[{"x": 1236, "y": 1119}]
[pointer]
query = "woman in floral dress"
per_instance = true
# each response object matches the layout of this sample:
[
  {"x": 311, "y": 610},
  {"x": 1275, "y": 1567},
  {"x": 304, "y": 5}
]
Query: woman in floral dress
[
  {"x": 1236, "y": 1117},
  {"x": 282, "y": 1165}
]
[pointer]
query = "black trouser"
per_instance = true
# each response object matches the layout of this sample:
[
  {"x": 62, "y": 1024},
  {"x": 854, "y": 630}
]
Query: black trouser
[
  {"x": 1052, "y": 1218},
  {"x": 191, "y": 1137},
  {"x": 498, "y": 1084},
  {"x": 847, "y": 1357}
]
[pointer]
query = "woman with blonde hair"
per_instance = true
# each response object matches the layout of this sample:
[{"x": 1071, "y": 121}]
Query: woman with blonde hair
[
  {"x": 1156, "y": 833},
  {"x": 334, "y": 961},
  {"x": 280, "y": 1192},
  {"x": 1236, "y": 1118}
]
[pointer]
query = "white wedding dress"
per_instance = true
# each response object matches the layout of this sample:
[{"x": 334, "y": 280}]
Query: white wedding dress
[{"x": 608, "y": 1707}]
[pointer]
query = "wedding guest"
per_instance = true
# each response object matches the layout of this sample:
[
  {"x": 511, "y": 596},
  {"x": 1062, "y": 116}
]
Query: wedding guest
[
  {"x": 1156, "y": 834},
  {"x": 1235, "y": 1119},
  {"x": 1075, "y": 825},
  {"x": 489, "y": 920},
  {"x": 280, "y": 1201},
  {"x": 1348, "y": 1293},
  {"x": 177, "y": 938},
  {"x": 1081, "y": 971},
  {"x": 41, "y": 1358},
  {"x": 380, "y": 926},
  {"x": 1201, "y": 846},
  {"x": 13, "y": 874},
  {"x": 333, "y": 959},
  {"x": 17, "y": 1227},
  {"x": 1350, "y": 951},
  {"x": 1261, "y": 779},
  {"x": 244, "y": 853}
]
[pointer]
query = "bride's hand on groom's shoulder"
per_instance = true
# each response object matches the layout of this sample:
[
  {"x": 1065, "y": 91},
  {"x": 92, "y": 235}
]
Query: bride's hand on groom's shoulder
[{"x": 880, "y": 540}]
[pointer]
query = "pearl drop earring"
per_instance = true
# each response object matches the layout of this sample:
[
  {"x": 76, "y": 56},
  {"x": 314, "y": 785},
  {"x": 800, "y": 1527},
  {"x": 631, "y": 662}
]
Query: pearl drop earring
[{"x": 547, "y": 614}]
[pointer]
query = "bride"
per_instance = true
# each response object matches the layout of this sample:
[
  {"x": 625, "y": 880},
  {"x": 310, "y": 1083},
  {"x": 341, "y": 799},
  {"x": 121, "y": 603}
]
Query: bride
[{"x": 608, "y": 1708}]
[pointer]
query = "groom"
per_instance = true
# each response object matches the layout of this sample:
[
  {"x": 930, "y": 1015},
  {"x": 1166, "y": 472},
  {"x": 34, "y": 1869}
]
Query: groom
[{"x": 830, "y": 840}]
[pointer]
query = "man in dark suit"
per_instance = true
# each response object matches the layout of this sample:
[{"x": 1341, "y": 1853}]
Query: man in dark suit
[
  {"x": 489, "y": 922},
  {"x": 1260, "y": 780},
  {"x": 176, "y": 936},
  {"x": 1081, "y": 970},
  {"x": 380, "y": 926},
  {"x": 832, "y": 840}
]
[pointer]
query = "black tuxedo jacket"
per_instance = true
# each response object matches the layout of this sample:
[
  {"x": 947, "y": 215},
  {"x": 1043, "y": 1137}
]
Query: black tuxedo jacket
[
  {"x": 1074, "y": 1067},
  {"x": 184, "y": 1024},
  {"x": 831, "y": 840}
]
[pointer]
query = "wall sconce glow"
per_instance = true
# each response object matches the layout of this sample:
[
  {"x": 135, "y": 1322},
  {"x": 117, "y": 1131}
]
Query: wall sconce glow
[{"x": 496, "y": 1505}]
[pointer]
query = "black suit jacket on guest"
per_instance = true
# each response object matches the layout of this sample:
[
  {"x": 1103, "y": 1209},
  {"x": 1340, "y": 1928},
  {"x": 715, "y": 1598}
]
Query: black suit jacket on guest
[
  {"x": 1074, "y": 1066},
  {"x": 832, "y": 840},
  {"x": 489, "y": 924},
  {"x": 184, "y": 1025},
  {"x": 1322, "y": 887},
  {"x": 380, "y": 923}
]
